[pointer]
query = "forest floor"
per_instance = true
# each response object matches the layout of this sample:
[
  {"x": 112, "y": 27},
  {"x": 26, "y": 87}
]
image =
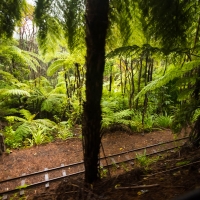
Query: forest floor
[{"x": 169, "y": 184}]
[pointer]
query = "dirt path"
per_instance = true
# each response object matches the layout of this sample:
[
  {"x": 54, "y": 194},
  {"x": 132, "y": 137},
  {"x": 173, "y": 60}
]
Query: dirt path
[{"x": 52, "y": 155}]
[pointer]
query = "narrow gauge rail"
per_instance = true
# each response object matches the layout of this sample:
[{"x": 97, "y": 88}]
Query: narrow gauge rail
[{"x": 3, "y": 184}]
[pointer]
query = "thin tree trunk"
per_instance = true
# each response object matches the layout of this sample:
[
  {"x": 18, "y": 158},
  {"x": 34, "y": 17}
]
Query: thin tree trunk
[
  {"x": 145, "y": 98},
  {"x": 132, "y": 87},
  {"x": 121, "y": 77},
  {"x": 111, "y": 78},
  {"x": 96, "y": 28},
  {"x": 125, "y": 74},
  {"x": 139, "y": 81}
]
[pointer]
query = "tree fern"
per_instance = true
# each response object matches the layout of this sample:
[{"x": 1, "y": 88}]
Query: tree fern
[
  {"x": 65, "y": 61},
  {"x": 168, "y": 21},
  {"x": 10, "y": 15},
  {"x": 45, "y": 123},
  {"x": 16, "y": 92},
  {"x": 52, "y": 102},
  {"x": 169, "y": 76},
  {"x": 56, "y": 65},
  {"x": 27, "y": 115},
  {"x": 12, "y": 119},
  {"x": 28, "y": 58}
]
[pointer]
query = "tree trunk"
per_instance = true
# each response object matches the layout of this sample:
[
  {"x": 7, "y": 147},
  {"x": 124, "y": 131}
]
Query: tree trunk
[
  {"x": 2, "y": 145},
  {"x": 139, "y": 81},
  {"x": 96, "y": 28},
  {"x": 132, "y": 87}
]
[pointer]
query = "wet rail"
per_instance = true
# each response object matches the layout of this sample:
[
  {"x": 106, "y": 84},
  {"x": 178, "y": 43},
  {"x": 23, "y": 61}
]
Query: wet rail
[{"x": 44, "y": 177}]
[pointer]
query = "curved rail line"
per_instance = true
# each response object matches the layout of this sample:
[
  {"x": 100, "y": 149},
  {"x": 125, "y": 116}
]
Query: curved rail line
[{"x": 65, "y": 175}]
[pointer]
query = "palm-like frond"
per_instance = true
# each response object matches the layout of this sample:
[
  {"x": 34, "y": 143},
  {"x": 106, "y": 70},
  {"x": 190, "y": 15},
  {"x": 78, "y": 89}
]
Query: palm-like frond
[
  {"x": 134, "y": 49},
  {"x": 53, "y": 100},
  {"x": 45, "y": 123},
  {"x": 65, "y": 61},
  {"x": 16, "y": 92},
  {"x": 168, "y": 21},
  {"x": 12, "y": 119},
  {"x": 170, "y": 75},
  {"x": 23, "y": 130},
  {"x": 127, "y": 50},
  {"x": 31, "y": 59},
  {"x": 10, "y": 15},
  {"x": 56, "y": 65},
  {"x": 27, "y": 115},
  {"x": 28, "y": 58},
  {"x": 8, "y": 77}
]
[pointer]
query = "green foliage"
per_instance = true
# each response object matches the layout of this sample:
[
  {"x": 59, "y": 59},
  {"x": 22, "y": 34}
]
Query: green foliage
[
  {"x": 16, "y": 196},
  {"x": 22, "y": 186},
  {"x": 64, "y": 131},
  {"x": 39, "y": 135},
  {"x": 163, "y": 121},
  {"x": 56, "y": 20},
  {"x": 103, "y": 172},
  {"x": 142, "y": 159},
  {"x": 11, "y": 139},
  {"x": 10, "y": 15},
  {"x": 27, "y": 127},
  {"x": 182, "y": 163},
  {"x": 168, "y": 21},
  {"x": 145, "y": 161},
  {"x": 196, "y": 115},
  {"x": 173, "y": 73}
]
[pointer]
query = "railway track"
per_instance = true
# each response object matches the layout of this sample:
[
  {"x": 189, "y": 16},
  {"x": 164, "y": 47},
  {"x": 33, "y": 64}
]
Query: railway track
[{"x": 45, "y": 177}]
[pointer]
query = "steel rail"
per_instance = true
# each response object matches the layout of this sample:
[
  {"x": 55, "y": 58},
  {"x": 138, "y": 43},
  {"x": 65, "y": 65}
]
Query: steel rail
[
  {"x": 40, "y": 183},
  {"x": 150, "y": 146},
  {"x": 150, "y": 154},
  {"x": 40, "y": 172},
  {"x": 78, "y": 163},
  {"x": 73, "y": 174},
  {"x": 81, "y": 162}
]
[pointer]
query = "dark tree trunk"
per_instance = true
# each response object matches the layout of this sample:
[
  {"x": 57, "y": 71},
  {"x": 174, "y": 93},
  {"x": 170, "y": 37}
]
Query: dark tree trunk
[
  {"x": 2, "y": 145},
  {"x": 139, "y": 81},
  {"x": 96, "y": 28},
  {"x": 121, "y": 77},
  {"x": 145, "y": 97},
  {"x": 132, "y": 86}
]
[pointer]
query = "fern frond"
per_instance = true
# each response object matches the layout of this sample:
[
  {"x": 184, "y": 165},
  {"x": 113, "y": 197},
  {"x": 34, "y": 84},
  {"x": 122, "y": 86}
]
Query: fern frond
[
  {"x": 123, "y": 114},
  {"x": 131, "y": 50},
  {"x": 27, "y": 115},
  {"x": 56, "y": 65},
  {"x": 16, "y": 92},
  {"x": 31, "y": 59},
  {"x": 128, "y": 50},
  {"x": 185, "y": 94},
  {"x": 51, "y": 101},
  {"x": 12, "y": 119},
  {"x": 45, "y": 123},
  {"x": 8, "y": 77},
  {"x": 23, "y": 130},
  {"x": 169, "y": 76}
]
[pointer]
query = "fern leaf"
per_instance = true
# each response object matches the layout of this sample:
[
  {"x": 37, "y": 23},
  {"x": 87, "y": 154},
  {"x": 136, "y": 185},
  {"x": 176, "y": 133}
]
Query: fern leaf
[
  {"x": 23, "y": 130},
  {"x": 55, "y": 66},
  {"x": 27, "y": 115},
  {"x": 45, "y": 123},
  {"x": 170, "y": 75},
  {"x": 14, "y": 118},
  {"x": 7, "y": 76},
  {"x": 17, "y": 92}
]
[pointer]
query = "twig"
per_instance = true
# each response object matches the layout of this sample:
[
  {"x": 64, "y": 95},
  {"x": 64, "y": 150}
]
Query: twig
[
  {"x": 173, "y": 186},
  {"x": 138, "y": 186}
]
